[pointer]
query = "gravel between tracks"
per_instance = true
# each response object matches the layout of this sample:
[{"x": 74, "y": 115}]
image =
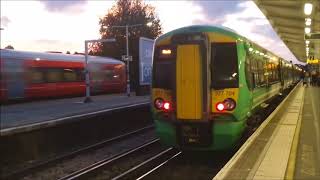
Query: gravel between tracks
[
  {"x": 82, "y": 160},
  {"x": 192, "y": 166},
  {"x": 125, "y": 164}
]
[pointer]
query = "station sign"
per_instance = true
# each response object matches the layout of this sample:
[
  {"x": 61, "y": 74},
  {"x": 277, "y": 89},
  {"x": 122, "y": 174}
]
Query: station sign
[
  {"x": 313, "y": 61},
  {"x": 126, "y": 58},
  {"x": 145, "y": 60}
]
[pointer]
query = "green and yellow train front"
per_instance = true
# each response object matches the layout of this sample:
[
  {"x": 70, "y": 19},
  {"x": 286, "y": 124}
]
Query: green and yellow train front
[{"x": 197, "y": 72}]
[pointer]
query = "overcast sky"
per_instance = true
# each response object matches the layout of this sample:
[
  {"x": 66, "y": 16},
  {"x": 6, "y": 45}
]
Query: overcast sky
[{"x": 49, "y": 25}]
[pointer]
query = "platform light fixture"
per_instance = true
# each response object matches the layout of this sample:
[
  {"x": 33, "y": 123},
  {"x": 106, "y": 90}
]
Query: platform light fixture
[
  {"x": 308, "y": 21},
  {"x": 307, "y": 30},
  {"x": 307, "y": 8}
]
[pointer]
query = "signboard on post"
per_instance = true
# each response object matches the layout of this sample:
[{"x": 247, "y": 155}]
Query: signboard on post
[{"x": 145, "y": 60}]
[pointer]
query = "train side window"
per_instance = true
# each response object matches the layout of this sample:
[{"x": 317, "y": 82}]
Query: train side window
[
  {"x": 270, "y": 70},
  {"x": 54, "y": 75},
  {"x": 254, "y": 68},
  {"x": 37, "y": 76},
  {"x": 70, "y": 75},
  {"x": 96, "y": 76},
  {"x": 261, "y": 73},
  {"x": 274, "y": 70},
  {"x": 248, "y": 71},
  {"x": 80, "y": 74}
]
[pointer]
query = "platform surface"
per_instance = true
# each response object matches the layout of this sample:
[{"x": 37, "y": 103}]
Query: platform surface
[
  {"x": 286, "y": 145},
  {"x": 28, "y": 113},
  {"x": 307, "y": 164}
]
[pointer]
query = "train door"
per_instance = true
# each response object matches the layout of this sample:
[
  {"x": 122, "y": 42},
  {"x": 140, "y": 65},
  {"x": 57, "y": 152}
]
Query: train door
[
  {"x": 192, "y": 76},
  {"x": 189, "y": 82},
  {"x": 14, "y": 73}
]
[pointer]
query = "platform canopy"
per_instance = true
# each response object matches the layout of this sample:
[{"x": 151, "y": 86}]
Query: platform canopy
[{"x": 289, "y": 20}]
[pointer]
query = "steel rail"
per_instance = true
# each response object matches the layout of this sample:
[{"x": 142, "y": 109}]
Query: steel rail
[
  {"x": 59, "y": 158},
  {"x": 160, "y": 165},
  {"x": 149, "y": 162},
  {"x": 99, "y": 165}
]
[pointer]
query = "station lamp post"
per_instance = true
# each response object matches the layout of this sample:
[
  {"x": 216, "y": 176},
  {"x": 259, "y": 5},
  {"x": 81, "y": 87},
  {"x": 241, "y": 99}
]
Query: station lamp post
[
  {"x": 86, "y": 69},
  {"x": 127, "y": 57}
]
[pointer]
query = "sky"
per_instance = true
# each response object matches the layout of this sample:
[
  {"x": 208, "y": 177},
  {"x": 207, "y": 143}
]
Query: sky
[{"x": 49, "y": 25}]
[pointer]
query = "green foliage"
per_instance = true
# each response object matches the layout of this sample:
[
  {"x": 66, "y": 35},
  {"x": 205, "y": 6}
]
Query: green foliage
[
  {"x": 9, "y": 47},
  {"x": 126, "y": 12}
]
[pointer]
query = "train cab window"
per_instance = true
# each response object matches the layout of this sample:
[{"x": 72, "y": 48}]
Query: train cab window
[
  {"x": 54, "y": 75},
  {"x": 109, "y": 74},
  {"x": 164, "y": 68},
  {"x": 224, "y": 65}
]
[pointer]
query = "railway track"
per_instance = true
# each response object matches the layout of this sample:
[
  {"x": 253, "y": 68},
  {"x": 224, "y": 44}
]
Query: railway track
[
  {"x": 134, "y": 163},
  {"x": 149, "y": 166},
  {"x": 50, "y": 162}
]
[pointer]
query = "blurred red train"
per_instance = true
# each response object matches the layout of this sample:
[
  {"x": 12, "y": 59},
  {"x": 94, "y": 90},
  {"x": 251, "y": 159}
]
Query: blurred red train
[{"x": 30, "y": 75}]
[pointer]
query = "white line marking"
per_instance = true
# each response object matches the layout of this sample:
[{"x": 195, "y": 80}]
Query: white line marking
[{"x": 54, "y": 122}]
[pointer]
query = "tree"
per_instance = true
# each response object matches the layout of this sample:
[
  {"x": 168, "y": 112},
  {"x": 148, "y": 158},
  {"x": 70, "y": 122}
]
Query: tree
[
  {"x": 127, "y": 12},
  {"x": 9, "y": 47}
]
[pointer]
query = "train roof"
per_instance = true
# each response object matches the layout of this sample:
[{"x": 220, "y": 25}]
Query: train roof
[
  {"x": 23, "y": 55},
  {"x": 201, "y": 28},
  {"x": 209, "y": 28}
]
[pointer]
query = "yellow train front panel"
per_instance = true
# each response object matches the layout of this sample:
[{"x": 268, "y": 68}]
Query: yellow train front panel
[{"x": 188, "y": 82}]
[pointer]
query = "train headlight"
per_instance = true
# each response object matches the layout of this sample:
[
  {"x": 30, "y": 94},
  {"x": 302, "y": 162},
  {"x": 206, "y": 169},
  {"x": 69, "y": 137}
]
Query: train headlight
[
  {"x": 159, "y": 103},
  {"x": 229, "y": 104}
]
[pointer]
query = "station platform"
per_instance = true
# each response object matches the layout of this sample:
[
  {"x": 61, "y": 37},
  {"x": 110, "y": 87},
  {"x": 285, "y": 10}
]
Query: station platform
[
  {"x": 285, "y": 146},
  {"x": 27, "y": 116}
]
